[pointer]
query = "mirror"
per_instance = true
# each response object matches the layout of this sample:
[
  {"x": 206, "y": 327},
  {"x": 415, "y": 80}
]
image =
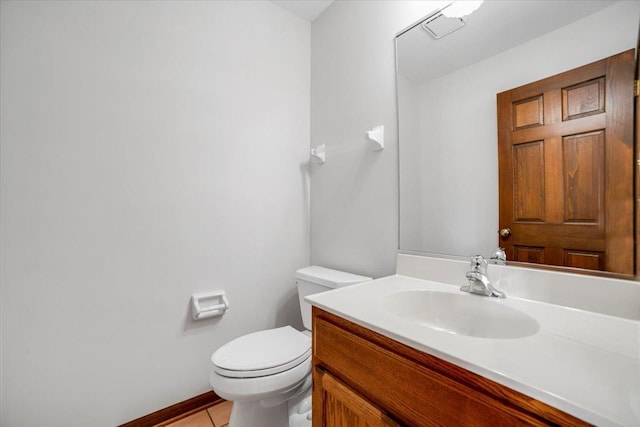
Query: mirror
[{"x": 447, "y": 107}]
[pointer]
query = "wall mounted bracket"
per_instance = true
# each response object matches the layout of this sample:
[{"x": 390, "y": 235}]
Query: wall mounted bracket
[
  {"x": 376, "y": 135},
  {"x": 319, "y": 153}
]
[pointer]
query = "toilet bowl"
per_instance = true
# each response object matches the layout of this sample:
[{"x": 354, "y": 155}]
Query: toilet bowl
[{"x": 267, "y": 374}]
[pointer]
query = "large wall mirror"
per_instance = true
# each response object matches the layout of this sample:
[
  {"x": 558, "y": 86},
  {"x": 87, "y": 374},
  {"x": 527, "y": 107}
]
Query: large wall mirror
[{"x": 448, "y": 124}]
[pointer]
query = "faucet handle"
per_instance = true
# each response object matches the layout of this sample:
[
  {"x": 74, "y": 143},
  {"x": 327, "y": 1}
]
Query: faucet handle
[
  {"x": 479, "y": 264},
  {"x": 499, "y": 256}
]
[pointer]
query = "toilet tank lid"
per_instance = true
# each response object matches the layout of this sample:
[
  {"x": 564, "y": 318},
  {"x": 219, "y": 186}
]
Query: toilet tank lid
[{"x": 328, "y": 277}]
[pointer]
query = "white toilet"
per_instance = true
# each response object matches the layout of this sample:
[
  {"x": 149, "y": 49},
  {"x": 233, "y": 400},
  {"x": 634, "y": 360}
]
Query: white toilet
[{"x": 267, "y": 374}]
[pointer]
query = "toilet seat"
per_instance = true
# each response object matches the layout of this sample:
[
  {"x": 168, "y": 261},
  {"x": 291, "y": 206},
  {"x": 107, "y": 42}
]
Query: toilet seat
[
  {"x": 258, "y": 388},
  {"x": 262, "y": 353}
]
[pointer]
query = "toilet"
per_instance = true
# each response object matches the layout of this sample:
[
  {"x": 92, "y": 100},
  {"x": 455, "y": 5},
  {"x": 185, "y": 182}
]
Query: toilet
[{"x": 267, "y": 374}]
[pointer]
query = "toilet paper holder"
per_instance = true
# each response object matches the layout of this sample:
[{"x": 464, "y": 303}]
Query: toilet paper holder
[{"x": 209, "y": 304}]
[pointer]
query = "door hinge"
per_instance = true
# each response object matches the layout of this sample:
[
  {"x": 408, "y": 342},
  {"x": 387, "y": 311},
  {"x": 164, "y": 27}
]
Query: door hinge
[{"x": 636, "y": 88}]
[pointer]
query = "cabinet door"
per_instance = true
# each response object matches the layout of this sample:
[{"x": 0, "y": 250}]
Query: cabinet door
[{"x": 343, "y": 407}]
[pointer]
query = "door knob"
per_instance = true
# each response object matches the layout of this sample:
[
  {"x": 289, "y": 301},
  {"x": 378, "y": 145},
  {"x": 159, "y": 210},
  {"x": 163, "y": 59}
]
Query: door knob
[{"x": 505, "y": 232}]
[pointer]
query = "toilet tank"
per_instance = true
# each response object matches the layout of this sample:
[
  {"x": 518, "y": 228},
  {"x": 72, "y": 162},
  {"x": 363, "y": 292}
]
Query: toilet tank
[{"x": 314, "y": 279}]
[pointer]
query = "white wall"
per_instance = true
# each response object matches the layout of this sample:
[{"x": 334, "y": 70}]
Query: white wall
[
  {"x": 354, "y": 197},
  {"x": 148, "y": 150},
  {"x": 458, "y": 176}
]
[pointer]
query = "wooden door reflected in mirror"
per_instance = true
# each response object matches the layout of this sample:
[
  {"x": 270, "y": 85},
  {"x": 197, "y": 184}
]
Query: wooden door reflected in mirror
[{"x": 565, "y": 154}]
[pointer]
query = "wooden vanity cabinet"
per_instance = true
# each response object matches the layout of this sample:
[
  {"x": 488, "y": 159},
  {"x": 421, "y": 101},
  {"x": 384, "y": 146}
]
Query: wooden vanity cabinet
[{"x": 362, "y": 378}]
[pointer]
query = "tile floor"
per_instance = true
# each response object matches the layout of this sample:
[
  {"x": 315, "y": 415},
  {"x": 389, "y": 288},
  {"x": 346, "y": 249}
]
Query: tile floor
[{"x": 214, "y": 416}]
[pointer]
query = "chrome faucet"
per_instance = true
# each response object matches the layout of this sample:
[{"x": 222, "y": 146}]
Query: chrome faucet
[
  {"x": 478, "y": 281},
  {"x": 499, "y": 256}
]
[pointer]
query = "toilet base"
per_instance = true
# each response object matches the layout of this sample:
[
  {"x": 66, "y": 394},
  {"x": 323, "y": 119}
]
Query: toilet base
[
  {"x": 300, "y": 410},
  {"x": 251, "y": 414},
  {"x": 294, "y": 412}
]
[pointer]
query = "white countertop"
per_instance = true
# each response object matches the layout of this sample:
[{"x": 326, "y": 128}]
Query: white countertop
[{"x": 584, "y": 363}]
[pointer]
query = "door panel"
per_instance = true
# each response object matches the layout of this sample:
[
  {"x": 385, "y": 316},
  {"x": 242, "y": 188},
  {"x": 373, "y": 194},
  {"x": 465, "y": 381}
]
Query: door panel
[
  {"x": 528, "y": 182},
  {"x": 529, "y": 254},
  {"x": 565, "y": 147},
  {"x": 583, "y": 99},
  {"x": 583, "y": 170},
  {"x": 527, "y": 113},
  {"x": 590, "y": 261}
]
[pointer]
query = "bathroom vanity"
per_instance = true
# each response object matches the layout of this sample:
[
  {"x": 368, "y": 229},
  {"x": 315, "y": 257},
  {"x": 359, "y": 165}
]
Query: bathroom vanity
[
  {"x": 361, "y": 374},
  {"x": 380, "y": 360}
]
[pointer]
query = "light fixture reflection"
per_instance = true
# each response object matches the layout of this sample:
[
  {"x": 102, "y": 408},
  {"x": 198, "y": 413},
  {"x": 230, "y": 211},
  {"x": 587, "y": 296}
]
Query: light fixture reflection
[{"x": 460, "y": 9}]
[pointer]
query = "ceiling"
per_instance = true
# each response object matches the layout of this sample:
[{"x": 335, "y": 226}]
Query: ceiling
[
  {"x": 496, "y": 26},
  {"x": 305, "y": 9}
]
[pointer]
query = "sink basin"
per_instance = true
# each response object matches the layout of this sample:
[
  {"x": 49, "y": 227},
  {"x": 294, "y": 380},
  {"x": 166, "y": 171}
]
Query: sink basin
[{"x": 463, "y": 314}]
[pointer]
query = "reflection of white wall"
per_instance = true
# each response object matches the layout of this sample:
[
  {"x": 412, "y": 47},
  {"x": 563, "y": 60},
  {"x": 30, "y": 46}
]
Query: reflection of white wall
[
  {"x": 354, "y": 197},
  {"x": 459, "y": 173},
  {"x": 410, "y": 162},
  {"x": 149, "y": 150}
]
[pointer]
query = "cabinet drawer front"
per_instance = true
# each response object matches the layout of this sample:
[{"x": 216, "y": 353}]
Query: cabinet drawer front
[{"x": 411, "y": 393}]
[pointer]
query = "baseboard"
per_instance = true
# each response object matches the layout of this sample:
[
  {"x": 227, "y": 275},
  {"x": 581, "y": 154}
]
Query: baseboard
[{"x": 176, "y": 411}]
